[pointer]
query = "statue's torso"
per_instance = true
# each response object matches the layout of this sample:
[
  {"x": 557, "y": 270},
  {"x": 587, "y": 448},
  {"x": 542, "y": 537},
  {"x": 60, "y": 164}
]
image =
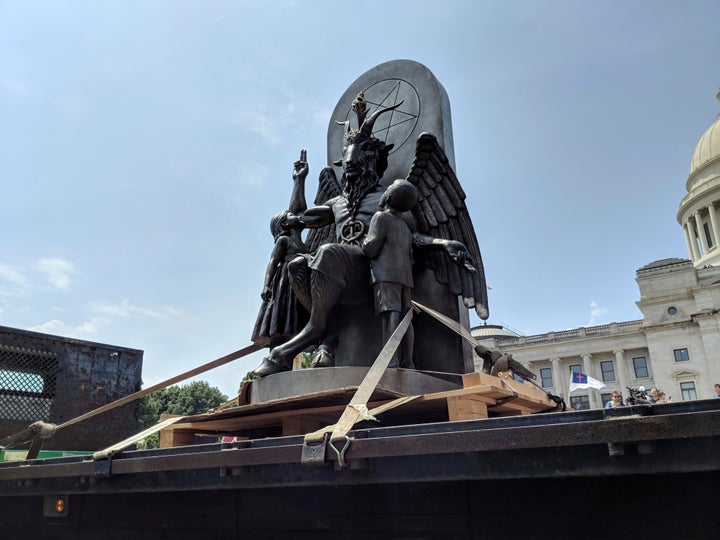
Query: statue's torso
[{"x": 349, "y": 230}]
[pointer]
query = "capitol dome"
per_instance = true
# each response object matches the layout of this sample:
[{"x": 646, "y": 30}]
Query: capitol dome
[
  {"x": 492, "y": 331},
  {"x": 699, "y": 212},
  {"x": 708, "y": 147}
]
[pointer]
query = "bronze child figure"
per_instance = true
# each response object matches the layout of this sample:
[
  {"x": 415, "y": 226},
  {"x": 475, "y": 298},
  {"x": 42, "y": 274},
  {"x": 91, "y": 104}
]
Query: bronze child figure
[
  {"x": 281, "y": 315},
  {"x": 388, "y": 244}
]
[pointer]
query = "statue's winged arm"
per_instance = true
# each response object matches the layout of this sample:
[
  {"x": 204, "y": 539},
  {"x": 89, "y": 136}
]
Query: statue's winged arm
[{"x": 444, "y": 224}]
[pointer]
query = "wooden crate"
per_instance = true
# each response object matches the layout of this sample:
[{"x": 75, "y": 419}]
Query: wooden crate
[{"x": 482, "y": 396}]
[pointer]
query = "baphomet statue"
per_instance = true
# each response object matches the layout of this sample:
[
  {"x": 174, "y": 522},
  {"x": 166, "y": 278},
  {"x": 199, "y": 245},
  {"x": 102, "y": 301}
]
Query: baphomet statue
[{"x": 331, "y": 268}]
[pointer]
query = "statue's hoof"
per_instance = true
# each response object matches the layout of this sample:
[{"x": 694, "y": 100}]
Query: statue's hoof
[
  {"x": 268, "y": 367},
  {"x": 323, "y": 358}
]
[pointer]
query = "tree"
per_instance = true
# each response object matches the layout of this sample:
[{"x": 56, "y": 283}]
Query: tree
[{"x": 194, "y": 398}]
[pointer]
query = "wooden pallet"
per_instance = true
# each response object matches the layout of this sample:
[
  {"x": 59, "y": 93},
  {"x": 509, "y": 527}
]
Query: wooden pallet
[{"x": 482, "y": 396}]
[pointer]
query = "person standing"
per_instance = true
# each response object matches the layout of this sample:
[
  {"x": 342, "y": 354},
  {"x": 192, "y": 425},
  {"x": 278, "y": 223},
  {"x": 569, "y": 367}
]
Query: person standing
[{"x": 616, "y": 400}]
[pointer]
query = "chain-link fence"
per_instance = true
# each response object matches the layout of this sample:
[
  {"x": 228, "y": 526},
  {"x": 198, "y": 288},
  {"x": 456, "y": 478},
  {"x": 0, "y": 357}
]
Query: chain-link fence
[{"x": 27, "y": 383}]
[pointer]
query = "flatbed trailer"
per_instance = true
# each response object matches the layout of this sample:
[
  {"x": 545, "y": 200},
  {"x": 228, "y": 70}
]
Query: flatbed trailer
[{"x": 576, "y": 474}]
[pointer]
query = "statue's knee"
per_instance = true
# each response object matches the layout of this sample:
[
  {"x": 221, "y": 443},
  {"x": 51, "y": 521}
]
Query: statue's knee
[
  {"x": 316, "y": 327},
  {"x": 297, "y": 264}
]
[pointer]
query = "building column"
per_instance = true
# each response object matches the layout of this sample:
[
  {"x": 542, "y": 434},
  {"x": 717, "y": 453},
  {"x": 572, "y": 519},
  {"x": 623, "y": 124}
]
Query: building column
[
  {"x": 714, "y": 224},
  {"x": 690, "y": 249},
  {"x": 558, "y": 377},
  {"x": 622, "y": 373},
  {"x": 694, "y": 255},
  {"x": 701, "y": 232},
  {"x": 592, "y": 392}
]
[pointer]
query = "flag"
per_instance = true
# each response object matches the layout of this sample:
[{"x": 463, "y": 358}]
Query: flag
[{"x": 580, "y": 380}]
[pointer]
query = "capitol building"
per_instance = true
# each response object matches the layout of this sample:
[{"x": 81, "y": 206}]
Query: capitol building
[{"x": 676, "y": 345}]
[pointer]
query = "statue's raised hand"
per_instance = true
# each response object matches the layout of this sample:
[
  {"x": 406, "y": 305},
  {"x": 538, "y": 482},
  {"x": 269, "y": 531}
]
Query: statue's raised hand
[{"x": 300, "y": 167}]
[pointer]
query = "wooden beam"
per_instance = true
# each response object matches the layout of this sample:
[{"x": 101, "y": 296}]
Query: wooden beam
[{"x": 468, "y": 407}]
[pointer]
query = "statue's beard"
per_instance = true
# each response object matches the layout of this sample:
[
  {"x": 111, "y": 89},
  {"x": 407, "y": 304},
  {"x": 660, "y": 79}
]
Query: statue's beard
[{"x": 356, "y": 190}]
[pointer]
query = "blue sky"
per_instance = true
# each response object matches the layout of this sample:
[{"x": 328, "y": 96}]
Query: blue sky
[{"x": 146, "y": 144}]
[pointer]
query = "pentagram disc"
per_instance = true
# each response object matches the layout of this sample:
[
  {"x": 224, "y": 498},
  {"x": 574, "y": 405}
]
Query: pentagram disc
[
  {"x": 394, "y": 127},
  {"x": 425, "y": 108}
]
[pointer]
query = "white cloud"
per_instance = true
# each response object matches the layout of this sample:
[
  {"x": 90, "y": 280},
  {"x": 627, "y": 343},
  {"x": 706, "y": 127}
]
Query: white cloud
[
  {"x": 124, "y": 309},
  {"x": 11, "y": 275},
  {"x": 50, "y": 326},
  {"x": 56, "y": 271},
  {"x": 57, "y": 327},
  {"x": 93, "y": 325},
  {"x": 596, "y": 312}
]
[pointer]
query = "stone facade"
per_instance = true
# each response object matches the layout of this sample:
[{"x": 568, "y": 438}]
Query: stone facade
[{"x": 676, "y": 345}]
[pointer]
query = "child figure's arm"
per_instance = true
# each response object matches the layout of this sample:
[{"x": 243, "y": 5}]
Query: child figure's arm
[
  {"x": 277, "y": 255},
  {"x": 376, "y": 236}
]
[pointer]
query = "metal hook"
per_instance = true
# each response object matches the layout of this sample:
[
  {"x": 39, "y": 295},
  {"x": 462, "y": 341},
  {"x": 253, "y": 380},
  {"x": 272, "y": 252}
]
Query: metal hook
[{"x": 341, "y": 453}]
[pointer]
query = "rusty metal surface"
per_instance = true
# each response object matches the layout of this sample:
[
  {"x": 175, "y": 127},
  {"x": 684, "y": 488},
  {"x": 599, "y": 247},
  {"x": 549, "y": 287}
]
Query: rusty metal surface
[
  {"x": 683, "y": 439},
  {"x": 55, "y": 379}
]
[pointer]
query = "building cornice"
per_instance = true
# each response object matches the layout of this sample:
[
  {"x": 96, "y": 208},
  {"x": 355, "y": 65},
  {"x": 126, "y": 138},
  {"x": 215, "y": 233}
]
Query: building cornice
[
  {"x": 575, "y": 334},
  {"x": 655, "y": 268}
]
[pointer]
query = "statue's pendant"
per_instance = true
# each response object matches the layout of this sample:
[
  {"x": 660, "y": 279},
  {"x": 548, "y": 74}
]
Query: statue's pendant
[{"x": 352, "y": 231}]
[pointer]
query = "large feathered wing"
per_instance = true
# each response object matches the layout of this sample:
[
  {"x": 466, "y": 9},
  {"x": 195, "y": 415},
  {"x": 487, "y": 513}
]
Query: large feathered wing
[
  {"x": 441, "y": 213},
  {"x": 328, "y": 187}
]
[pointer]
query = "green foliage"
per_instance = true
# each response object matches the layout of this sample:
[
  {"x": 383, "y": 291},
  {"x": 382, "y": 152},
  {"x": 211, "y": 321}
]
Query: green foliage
[
  {"x": 148, "y": 411},
  {"x": 194, "y": 398},
  {"x": 307, "y": 359},
  {"x": 249, "y": 377},
  {"x": 151, "y": 441}
]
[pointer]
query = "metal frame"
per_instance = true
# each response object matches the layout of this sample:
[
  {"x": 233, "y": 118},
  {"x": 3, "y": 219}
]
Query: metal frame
[{"x": 633, "y": 440}]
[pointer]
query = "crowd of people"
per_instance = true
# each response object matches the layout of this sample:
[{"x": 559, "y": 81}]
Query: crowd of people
[{"x": 655, "y": 396}]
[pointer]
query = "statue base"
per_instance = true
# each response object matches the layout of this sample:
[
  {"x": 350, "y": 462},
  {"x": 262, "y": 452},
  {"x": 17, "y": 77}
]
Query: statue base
[{"x": 339, "y": 381}]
